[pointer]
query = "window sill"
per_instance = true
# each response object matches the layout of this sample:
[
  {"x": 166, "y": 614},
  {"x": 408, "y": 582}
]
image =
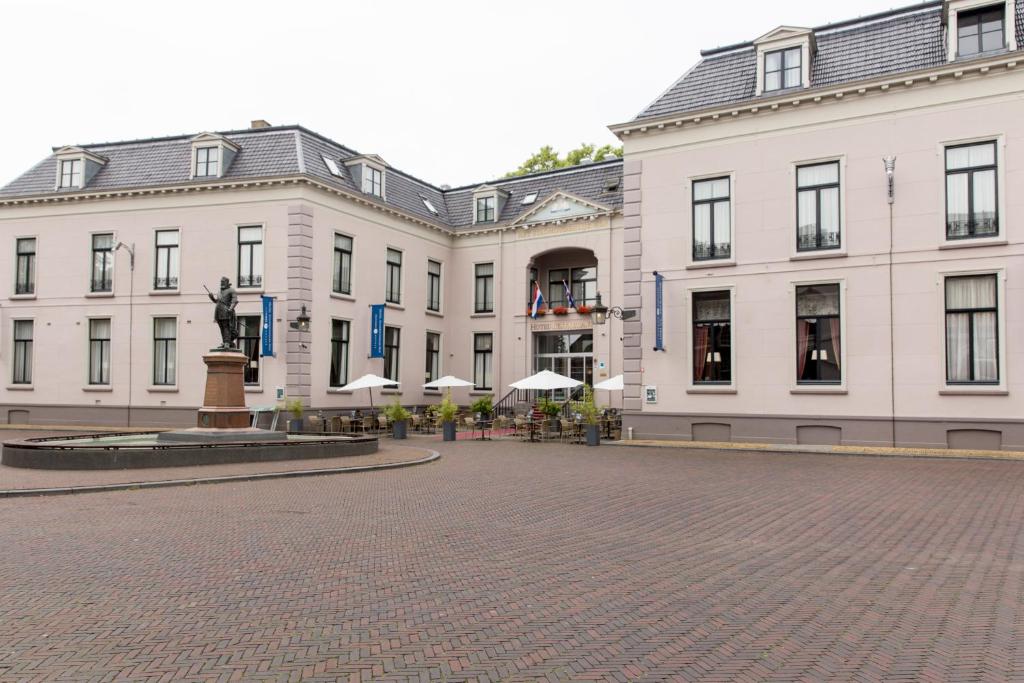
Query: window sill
[
  {"x": 974, "y": 391},
  {"x": 20, "y": 387},
  {"x": 342, "y": 297},
  {"x": 432, "y": 392},
  {"x": 811, "y": 255},
  {"x": 490, "y": 314},
  {"x": 838, "y": 390},
  {"x": 169, "y": 389},
  {"x": 711, "y": 390},
  {"x": 968, "y": 242},
  {"x": 97, "y": 387},
  {"x": 482, "y": 392},
  {"x": 391, "y": 392},
  {"x": 252, "y": 389},
  {"x": 249, "y": 290},
  {"x": 99, "y": 295},
  {"x": 436, "y": 314},
  {"x": 339, "y": 390},
  {"x": 710, "y": 263},
  {"x": 164, "y": 292},
  {"x": 393, "y": 306},
  {"x": 21, "y": 297}
]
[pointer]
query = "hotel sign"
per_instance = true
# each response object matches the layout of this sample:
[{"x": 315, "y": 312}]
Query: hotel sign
[{"x": 559, "y": 325}]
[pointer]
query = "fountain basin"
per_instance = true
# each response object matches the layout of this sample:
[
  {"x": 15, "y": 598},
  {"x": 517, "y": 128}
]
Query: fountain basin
[{"x": 116, "y": 451}]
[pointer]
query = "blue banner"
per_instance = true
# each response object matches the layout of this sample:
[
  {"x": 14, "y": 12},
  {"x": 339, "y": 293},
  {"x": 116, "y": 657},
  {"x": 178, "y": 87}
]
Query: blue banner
[
  {"x": 376, "y": 330},
  {"x": 267, "y": 333},
  {"x": 659, "y": 334}
]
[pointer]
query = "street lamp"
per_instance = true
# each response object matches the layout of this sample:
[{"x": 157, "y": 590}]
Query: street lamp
[
  {"x": 599, "y": 313},
  {"x": 301, "y": 321}
]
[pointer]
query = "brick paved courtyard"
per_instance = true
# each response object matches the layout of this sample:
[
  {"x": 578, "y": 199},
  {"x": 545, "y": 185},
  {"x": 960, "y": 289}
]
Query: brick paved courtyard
[{"x": 503, "y": 562}]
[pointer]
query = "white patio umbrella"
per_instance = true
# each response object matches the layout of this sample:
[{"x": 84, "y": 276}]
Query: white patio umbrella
[
  {"x": 611, "y": 384},
  {"x": 447, "y": 382},
  {"x": 369, "y": 382},
  {"x": 545, "y": 380}
]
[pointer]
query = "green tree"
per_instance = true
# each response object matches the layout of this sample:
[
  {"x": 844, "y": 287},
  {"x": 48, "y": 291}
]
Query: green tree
[{"x": 548, "y": 159}]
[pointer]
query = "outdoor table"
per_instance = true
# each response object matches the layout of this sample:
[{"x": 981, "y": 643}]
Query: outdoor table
[
  {"x": 484, "y": 426},
  {"x": 533, "y": 426}
]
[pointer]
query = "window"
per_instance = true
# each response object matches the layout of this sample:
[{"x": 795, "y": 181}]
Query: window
[
  {"x": 70, "y": 173},
  {"x": 167, "y": 256},
  {"x": 712, "y": 338},
  {"x": 433, "y": 369},
  {"x": 102, "y": 263},
  {"x": 817, "y": 334},
  {"x": 430, "y": 206},
  {"x": 373, "y": 181},
  {"x": 339, "y": 353},
  {"x": 393, "y": 290},
  {"x": 533, "y": 280},
  {"x": 165, "y": 351},
  {"x": 484, "y": 288},
  {"x": 483, "y": 351},
  {"x": 207, "y": 161},
  {"x": 980, "y": 30},
  {"x": 971, "y": 191},
  {"x": 332, "y": 166},
  {"x": 712, "y": 219},
  {"x": 782, "y": 69},
  {"x": 972, "y": 346},
  {"x": 433, "y": 286},
  {"x": 484, "y": 209},
  {"x": 249, "y": 337},
  {"x": 25, "y": 268},
  {"x": 250, "y": 256},
  {"x": 22, "y": 352},
  {"x": 342, "y": 264},
  {"x": 99, "y": 351},
  {"x": 817, "y": 206},
  {"x": 530, "y": 198},
  {"x": 584, "y": 285},
  {"x": 392, "y": 341},
  {"x": 557, "y": 279}
]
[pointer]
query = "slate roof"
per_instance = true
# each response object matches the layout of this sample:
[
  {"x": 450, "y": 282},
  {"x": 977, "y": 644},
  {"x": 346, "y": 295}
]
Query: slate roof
[
  {"x": 892, "y": 42},
  {"x": 293, "y": 150}
]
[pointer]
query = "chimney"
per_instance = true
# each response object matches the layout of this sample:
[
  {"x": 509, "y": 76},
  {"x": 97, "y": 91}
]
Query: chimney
[{"x": 258, "y": 123}]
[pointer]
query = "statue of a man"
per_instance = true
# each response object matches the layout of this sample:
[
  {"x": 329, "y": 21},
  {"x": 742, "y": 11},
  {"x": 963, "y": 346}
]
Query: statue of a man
[{"x": 224, "y": 314}]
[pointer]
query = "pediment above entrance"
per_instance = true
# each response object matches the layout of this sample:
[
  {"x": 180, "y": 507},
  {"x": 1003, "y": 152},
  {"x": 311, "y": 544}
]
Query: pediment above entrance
[{"x": 561, "y": 206}]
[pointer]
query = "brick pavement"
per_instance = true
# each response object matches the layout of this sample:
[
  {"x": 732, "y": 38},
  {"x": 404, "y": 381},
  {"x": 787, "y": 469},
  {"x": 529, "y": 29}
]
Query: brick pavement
[{"x": 506, "y": 562}]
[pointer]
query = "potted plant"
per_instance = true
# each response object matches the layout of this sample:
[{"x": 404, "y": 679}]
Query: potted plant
[
  {"x": 540, "y": 311},
  {"x": 446, "y": 411},
  {"x": 295, "y": 407},
  {"x": 560, "y": 310},
  {"x": 483, "y": 406},
  {"x": 591, "y": 416},
  {"x": 550, "y": 409},
  {"x": 583, "y": 309},
  {"x": 399, "y": 417}
]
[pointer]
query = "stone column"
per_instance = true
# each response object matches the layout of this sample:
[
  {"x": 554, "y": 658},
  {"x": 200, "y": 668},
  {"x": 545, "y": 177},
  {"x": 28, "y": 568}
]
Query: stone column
[
  {"x": 300, "y": 291},
  {"x": 632, "y": 330}
]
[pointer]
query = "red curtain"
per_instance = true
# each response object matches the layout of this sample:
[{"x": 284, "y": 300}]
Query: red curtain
[
  {"x": 833, "y": 328},
  {"x": 803, "y": 334},
  {"x": 700, "y": 351}
]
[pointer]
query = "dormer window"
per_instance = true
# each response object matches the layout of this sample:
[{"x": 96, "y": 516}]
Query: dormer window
[
  {"x": 980, "y": 30},
  {"x": 485, "y": 209},
  {"x": 373, "y": 181},
  {"x": 70, "y": 173},
  {"x": 207, "y": 162},
  {"x": 782, "y": 69},
  {"x": 369, "y": 174}
]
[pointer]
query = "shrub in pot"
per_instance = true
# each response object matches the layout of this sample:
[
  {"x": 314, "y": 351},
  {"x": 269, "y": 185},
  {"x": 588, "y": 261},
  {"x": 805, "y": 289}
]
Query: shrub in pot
[
  {"x": 591, "y": 416},
  {"x": 295, "y": 407},
  {"x": 483, "y": 405},
  {"x": 447, "y": 411},
  {"x": 399, "y": 417},
  {"x": 551, "y": 409}
]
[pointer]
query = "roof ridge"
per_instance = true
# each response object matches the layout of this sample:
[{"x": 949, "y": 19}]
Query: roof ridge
[{"x": 529, "y": 176}]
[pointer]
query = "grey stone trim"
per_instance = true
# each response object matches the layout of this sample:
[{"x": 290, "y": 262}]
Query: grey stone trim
[
  {"x": 300, "y": 291},
  {"x": 632, "y": 354}
]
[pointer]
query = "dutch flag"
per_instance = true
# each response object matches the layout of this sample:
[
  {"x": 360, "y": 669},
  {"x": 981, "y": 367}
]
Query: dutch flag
[
  {"x": 568, "y": 295},
  {"x": 538, "y": 300}
]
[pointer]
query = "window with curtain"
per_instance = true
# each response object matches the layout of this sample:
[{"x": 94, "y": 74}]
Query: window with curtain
[
  {"x": 102, "y": 263},
  {"x": 250, "y": 256},
  {"x": 392, "y": 343},
  {"x": 980, "y": 30},
  {"x": 971, "y": 192},
  {"x": 483, "y": 352},
  {"x": 373, "y": 181},
  {"x": 393, "y": 284},
  {"x": 782, "y": 69},
  {"x": 165, "y": 351},
  {"x": 817, "y": 201},
  {"x": 712, "y": 219},
  {"x": 712, "y": 338},
  {"x": 99, "y": 351},
  {"x": 433, "y": 367},
  {"x": 167, "y": 260},
  {"x": 972, "y": 329},
  {"x": 433, "y": 286},
  {"x": 249, "y": 332},
  {"x": 342, "y": 264},
  {"x": 25, "y": 268},
  {"x": 556, "y": 288},
  {"x": 818, "y": 349},
  {"x": 533, "y": 280},
  {"x": 339, "y": 353},
  {"x": 584, "y": 285},
  {"x": 22, "y": 361},
  {"x": 484, "y": 277}
]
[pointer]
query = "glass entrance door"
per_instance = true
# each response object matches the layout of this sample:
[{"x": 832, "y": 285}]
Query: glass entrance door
[{"x": 570, "y": 354}]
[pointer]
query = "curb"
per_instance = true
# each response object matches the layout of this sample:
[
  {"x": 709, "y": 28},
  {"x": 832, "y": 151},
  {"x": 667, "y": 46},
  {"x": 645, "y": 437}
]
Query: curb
[
  {"x": 289, "y": 474},
  {"x": 866, "y": 451}
]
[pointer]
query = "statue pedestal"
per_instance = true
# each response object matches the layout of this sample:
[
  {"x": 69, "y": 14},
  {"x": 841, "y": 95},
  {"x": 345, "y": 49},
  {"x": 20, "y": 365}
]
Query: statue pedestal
[{"x": 224, "y": 403}]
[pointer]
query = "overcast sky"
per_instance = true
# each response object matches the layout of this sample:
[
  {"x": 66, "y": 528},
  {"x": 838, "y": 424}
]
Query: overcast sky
[{"x": 451, "y": 91}]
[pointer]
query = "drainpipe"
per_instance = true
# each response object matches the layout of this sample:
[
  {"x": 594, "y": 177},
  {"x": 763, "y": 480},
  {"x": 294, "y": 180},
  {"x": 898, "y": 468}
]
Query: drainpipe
[{"x": 890, "y": 173}]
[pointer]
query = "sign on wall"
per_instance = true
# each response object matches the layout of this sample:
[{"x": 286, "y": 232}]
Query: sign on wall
[
  {"x": 376, "y": 330},
  {"x": 659, "y": 335},
  {"x": 267, "y": 333}
]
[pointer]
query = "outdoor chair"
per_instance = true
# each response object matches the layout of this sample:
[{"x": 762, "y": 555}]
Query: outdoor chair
[
  {"x": 499, "y": 425},
  {"x": 316, "y": 424},
  {"x": 520, "y": 428},
  {"x": 470, "y": 422},
  {"x": 416, "y": 422},
  {"x": 368, "y": 424},
  {"x": 345, "y": 424},
  {"x": 382, "y": 423},
  {"x": 568, "y": 431}
]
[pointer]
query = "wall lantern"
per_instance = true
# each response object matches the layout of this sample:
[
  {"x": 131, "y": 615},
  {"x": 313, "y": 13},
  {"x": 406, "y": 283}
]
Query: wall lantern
[
  {"x": 599, "y": 313},
  {"x": 301, "y": 321}
]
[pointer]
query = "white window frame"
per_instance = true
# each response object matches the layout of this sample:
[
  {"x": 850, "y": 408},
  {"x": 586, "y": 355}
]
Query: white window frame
[
  {"x": 954, "y": 7},
  {"x": 440, "y": 354},
  {"x": 1001, "y": 191},
  {"x": 440, "y": 308},
  {"x": 35, "y": 269},
  {"x": 152, "y": 284},
  {"x": 153, "y": 386},
  {"x": 238, "y": 264},
  {"x": 88, "y": 353},
  {"x": 969, "y": 389},
  {"x": 801, "y": 41},
  {"x": 794, "y": 213},
  {"x": 476, "y": 200},
  {"x": 844, "y": 314},
  {"x": 10, "y": 370},
  {"x": 402, "y": 277},
  {"x": 696, "y": 387},
  {"x": 351, "y": 295},
  {"x": 690, "y": 263}
]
